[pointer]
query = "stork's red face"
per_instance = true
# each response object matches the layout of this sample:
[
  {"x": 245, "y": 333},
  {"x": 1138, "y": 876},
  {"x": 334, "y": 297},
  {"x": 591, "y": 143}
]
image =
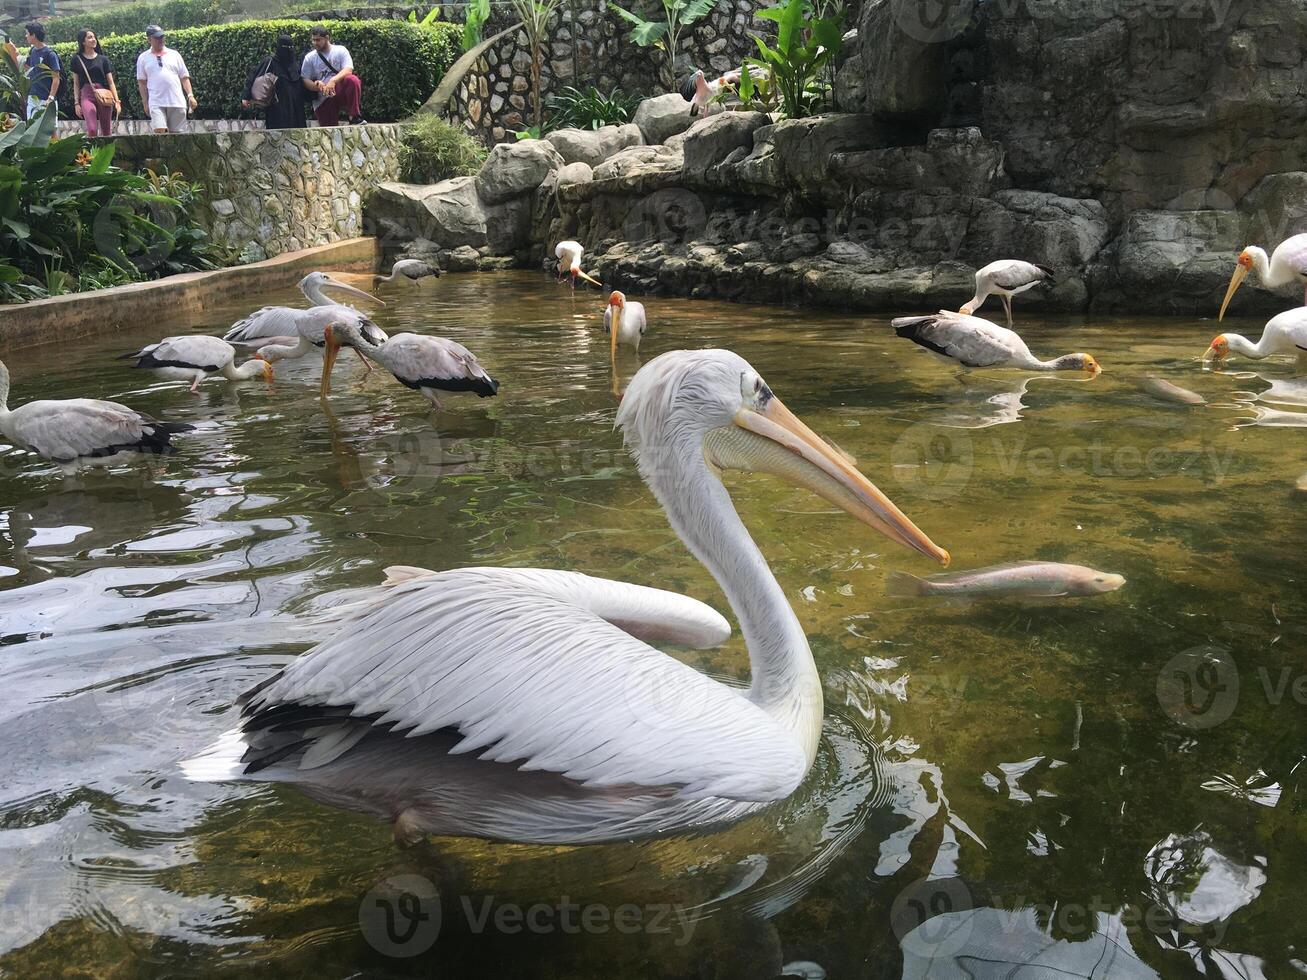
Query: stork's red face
[
  {"x": 1246, "y": 259},
  {"x": 1220, "y": 347},
  {"x": 617, "y": 299}
]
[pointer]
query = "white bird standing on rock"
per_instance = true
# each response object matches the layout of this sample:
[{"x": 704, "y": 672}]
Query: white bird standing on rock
[
  {"x": 1287, "y": 264},
  {"x": 1285, "y": 333},
  {"x": 195, "y": 357},
  {"x": 410, "y": 269},
  {"x": 84, "y": 431},
  {"x": 528, "y": 705},
  {"x": 1007, "y": 278},
  {"x": 569, "y": 254},
  {"x": 974, "y": 342},
  {"x": 428, "y": 365},
  {"x": 282, "y": 323}
]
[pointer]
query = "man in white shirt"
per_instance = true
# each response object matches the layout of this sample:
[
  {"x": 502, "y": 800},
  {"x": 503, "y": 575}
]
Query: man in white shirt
[
  {"x": 328, "y": 72},
  {"x": 162, "y": 79}
]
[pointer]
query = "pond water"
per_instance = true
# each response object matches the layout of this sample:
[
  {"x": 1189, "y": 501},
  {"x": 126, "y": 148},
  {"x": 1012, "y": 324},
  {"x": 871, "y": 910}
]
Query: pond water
[{"x": 1103, "y": 786}]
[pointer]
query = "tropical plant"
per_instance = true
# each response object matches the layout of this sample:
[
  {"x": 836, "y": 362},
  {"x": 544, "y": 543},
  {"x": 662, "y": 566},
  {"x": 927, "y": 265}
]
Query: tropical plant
[
  {"x": 589, "y": 108},
  {"x": 790, "y": 77},
  {"x": 434, "y": 149},
  {"x": 65, "y": 212},
  {"x": 431, "y": 17},
  {"x": 475, "y": 16},
  {"x": 532, "y": 132},
  {"x": 535, "y": 16},
  {"x": 665, "y": 34}
]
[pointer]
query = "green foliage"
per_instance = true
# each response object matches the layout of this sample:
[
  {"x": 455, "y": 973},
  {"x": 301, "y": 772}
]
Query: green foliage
[
  {"x": 132, "y": 18},
  {"x": 65, "y": 211},
  {"x": 474, "y": 21},
  {"x": 434, "y": 149},
  {"x": 790, "y": 76},
  {"x": 427, "y": 20},
  {"x": 531, "y": 132},
  {"x": 399, "y": 63},
  {"x": 665, "y": 34},
  {"x": 589, "y": 108}
]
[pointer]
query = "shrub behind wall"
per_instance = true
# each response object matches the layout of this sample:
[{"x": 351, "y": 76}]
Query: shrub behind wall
[
  {"x": 399, "y": 63},
  {"x": 133, "y": 18}
]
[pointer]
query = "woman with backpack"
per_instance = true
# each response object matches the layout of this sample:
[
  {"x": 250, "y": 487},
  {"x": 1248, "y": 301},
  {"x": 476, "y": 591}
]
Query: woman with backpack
[{"x": 275, "y": 87}]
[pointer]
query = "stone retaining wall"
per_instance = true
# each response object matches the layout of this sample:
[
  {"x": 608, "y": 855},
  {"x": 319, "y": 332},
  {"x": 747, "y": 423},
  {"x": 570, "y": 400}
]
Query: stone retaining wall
[
  {"x": 588, "y": 45},
  {"x": 274, "y": 191}
]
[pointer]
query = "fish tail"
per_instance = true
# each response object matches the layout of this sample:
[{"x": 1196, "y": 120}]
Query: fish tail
[{"x": 905, "y": 586}]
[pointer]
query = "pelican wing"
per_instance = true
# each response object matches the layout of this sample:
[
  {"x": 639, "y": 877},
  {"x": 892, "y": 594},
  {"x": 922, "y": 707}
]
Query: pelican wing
[
  {"x": 75, "y": 428},
  {"x": 420, "y": 361},
  {"x": 271, "y": 321},
  {"x": 971, "y": 340},
  {"x": 542, "y": 670},
  {"x": 312, "y": 323}
]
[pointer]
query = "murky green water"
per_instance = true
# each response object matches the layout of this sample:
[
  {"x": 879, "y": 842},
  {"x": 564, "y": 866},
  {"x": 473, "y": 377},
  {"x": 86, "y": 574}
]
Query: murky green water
[{"x": 1101, "y": 787}]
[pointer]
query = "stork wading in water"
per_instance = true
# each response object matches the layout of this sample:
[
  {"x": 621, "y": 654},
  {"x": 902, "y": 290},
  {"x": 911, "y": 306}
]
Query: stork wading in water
[
  {"x": 193, "y": 358},
  {"x": 77, "y": 432},
  {"x": 410, "y": 270},
  {"x": 528, "y": 705},
  {"x": 282, "y": 332},
  {"x": 569, "y": 263},
  {"x": 1006, "y": 278},
  {"x": 974, "y": 342},
  {"x": 1285, "y": 333},
  {"x": 624, "y": 322},
  {"x": 428, "y": 365},
  {"x": 1287, "y": 264}
]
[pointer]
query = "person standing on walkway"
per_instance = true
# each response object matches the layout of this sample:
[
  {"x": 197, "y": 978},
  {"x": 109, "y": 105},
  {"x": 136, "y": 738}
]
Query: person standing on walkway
[
  {"x": 286, "y": 110},
  {"x": 164, "y": 83},
  {"x": 328, "y": 73},
  {"x": 43, "y": 70},
  {"x": 95, "y": 91}
]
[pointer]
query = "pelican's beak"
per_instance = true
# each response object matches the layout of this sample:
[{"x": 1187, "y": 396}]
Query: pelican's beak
[
  {"x": 770, "y": 439},
  {"x": 1240, "y": 271},
  {"x": 589, "y": 278},
  {"x": 345, "y": 287},
  {"x": 328, "y": 359}
]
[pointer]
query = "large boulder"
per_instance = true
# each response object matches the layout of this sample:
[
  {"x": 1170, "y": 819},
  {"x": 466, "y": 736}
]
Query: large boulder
[
  {"x": 593, "y": 146},
  {"x": 449, "y": 213},
  {"x": 709, "y": 142},
  {"x": 662, "y": 117},
  {"x": 513, "y": 169},
  {"x": 575, "y": 173}
]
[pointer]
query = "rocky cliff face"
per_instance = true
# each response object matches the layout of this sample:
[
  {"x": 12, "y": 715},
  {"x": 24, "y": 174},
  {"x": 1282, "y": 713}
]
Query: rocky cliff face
[{"x": 1133, "y": 146}]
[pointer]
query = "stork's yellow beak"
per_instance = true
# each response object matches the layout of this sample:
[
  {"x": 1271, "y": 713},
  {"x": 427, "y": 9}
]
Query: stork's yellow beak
[
  {"x": 770, "y": 439},
  {"x": 1240, "y": 272},
  {"x": 588, "y": 278}
]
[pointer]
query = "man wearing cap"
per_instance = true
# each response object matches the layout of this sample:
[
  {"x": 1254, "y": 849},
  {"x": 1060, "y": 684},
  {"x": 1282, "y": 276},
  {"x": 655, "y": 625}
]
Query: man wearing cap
[
  {"x": 164, "y": 83},
  {"x": 328, "y": 72}
]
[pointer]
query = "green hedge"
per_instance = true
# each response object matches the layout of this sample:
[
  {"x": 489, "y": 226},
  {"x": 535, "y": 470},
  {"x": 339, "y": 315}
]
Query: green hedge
[
  {"x": 133, "y": 18},
  {"x": 399, "y": 63}
]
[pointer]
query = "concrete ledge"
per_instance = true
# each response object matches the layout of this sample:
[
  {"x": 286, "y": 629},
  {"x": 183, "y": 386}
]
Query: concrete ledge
[{"x": 103, "y": 311}]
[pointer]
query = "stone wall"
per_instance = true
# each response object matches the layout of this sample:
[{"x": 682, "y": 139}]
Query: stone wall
[
  {"x": 274, "y": 191},
  {"x": 588, "y": 45}
]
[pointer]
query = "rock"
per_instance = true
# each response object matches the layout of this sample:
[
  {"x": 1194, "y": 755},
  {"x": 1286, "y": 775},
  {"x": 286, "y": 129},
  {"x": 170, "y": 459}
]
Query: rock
[
  {"x": 663, "y": 117},
  {"x": 1063, "y": 233},
  {"x": 957, "y": 160},
  {"x": 463, "y": 259},
  {"x": 710, "y": 141},
  {"x": 575, "y": 173},
  {"x": 593, "y": 146},
  {"x": 513, "y": 169},
  {"x": 450, "y": 213}
]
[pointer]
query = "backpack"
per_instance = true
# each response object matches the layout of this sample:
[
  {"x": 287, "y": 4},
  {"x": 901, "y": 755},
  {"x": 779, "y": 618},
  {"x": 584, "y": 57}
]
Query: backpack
[{"x": 263, "y": 92}]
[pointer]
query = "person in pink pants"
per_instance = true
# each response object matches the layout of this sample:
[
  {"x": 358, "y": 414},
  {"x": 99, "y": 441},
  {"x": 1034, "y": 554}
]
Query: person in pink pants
[
  {"x": 328, "y": 72},
  {"x": 92, "y": 72}
]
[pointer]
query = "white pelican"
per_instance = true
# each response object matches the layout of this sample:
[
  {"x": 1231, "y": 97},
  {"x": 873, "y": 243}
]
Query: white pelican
[
  {"x": 569, "y": 262},
  {"x": 975, "y": 342},
  {"x": 704, "y": 93},
  {"x": 194, "y": 357},
  {"x": 410, "y": 269},
  {"x": 428, "y": 365},
  {"x": 1007, "y": 278},
  {"x": 631, "y": 323},
  {"x": 282, "y": 322},
  {"x": 84, "y": 431},
  {"x": 1285, "y": 333},
  {"x": 527, "y": 705},
  {"x": 1288, "y": 263}
]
